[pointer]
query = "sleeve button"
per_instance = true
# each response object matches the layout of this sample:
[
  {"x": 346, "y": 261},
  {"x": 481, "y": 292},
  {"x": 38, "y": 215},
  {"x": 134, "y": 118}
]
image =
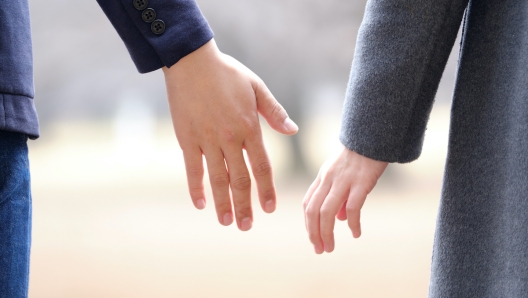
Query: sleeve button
[
  {"x": 140, "y": 4},
  {"x": 157, "y": 27},
  {"x": 148, "y": 15}
]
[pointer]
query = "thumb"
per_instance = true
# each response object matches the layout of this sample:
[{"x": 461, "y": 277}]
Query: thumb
[{"x": 273, "y": 112}]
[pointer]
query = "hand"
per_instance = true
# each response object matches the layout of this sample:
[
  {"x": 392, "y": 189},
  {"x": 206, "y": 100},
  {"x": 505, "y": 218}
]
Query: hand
[
  {"x": 214, "y": 102},
  {"x": 339, "y": 190}
]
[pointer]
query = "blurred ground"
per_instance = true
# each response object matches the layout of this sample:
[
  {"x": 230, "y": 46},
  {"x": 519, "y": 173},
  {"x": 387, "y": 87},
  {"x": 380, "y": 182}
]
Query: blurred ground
[{"x": 109, "y": 224}]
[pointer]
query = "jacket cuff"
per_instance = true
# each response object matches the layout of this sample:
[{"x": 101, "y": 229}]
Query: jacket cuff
[
  {"x": 158, "y": 33},
  {"x": 18, "y": 113}
]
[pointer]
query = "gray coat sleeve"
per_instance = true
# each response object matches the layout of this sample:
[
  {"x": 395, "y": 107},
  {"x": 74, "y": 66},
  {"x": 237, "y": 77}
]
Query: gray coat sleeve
[{"x": 401, "y": 52}]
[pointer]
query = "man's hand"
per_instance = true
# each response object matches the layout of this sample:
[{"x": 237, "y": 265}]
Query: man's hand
[
  {"x": 214, "y": 102},
  {"x": 339, "y": 190}
]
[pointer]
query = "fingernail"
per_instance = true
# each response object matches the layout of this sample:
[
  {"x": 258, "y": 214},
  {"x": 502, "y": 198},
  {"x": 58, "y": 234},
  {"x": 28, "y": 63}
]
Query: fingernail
[
  {"x": 200, "y": 204},
  {"x": 245, "y": 224},
  {"x": 228, "y": 219},
  {"x": 328, "y": 247},
  {"x": 269, "y": 206},
  {"x": 318, "y": 249},
  {"x": 290, "y": 125}
]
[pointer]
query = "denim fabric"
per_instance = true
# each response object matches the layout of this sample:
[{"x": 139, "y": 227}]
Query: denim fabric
[{"x": 15, "y": 215}]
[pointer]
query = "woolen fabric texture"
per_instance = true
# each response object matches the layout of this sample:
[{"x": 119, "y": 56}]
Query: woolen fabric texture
[
  {"x": 15, "y": 215},
  {"x": 481, "y": 240}
]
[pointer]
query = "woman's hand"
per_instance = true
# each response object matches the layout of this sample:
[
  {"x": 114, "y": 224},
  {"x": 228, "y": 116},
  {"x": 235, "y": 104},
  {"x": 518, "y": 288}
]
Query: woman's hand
[
  {"x": 214, "y": 103},
  {"x": 339, "y": 190}
]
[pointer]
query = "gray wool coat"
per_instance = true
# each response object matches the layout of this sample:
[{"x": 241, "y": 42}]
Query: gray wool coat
[{"x": 481, "y": 241}]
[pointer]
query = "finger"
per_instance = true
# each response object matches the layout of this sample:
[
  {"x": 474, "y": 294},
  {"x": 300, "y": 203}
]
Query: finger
[
  {"x": 240, "y": 184},
  {"x": 195, "y": 172},
  {"x": 329, "y": 209},
  {"x": 220, "y": 185},
  {"x": 356, "y": 199},
  {"x": 313, "y": 187},
  {"x": 313, "y": 214},
  {"x": 308, "y": 196},
  {"x": 272, "y": 110},
  {"x": 262, "y": 171},
  {"x": 341, "y": 215}
]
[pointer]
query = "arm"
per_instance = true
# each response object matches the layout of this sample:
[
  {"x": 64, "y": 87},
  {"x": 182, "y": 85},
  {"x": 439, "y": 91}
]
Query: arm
[
  {"x": 401, "y": 52},
  {"x": 214, "y": 102}
]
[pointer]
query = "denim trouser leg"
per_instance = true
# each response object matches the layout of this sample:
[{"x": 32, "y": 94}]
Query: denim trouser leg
[{"x": 15, "y": 215}]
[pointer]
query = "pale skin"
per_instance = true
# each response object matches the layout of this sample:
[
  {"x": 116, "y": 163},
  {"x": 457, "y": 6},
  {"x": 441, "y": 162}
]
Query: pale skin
[
  {"x": 214, "y": 102},
  {"x": 339, "y": 191}
]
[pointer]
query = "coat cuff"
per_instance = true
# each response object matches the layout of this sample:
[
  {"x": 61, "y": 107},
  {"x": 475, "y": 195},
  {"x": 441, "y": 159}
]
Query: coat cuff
[
  {"x": 184, "y": 30},
  {"x": 400, "y": 55}
]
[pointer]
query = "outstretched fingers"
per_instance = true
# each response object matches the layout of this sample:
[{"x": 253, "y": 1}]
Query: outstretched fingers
[
  {"x": 332, "y": 204},
  {"x": 341, "y": 215},
  {"x": 313, "y": 211},
  {"x": 355, "y": 202},
  {"x": 195, "y": 173},
  {"x": 272, "y": 111},
  {"x": 219, "y": 180},
  {"x": 308, "y": 197},
  {"x": 240, "y": 183},
  {"x": 262, "y": 171}
]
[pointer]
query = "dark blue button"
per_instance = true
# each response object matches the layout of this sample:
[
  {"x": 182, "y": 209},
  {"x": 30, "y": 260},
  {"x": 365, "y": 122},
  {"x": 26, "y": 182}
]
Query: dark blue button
[
  {"x": 148, "y": 15},
  {"x": 140, "y": 4},
  {"x": 157, "y": 27}
]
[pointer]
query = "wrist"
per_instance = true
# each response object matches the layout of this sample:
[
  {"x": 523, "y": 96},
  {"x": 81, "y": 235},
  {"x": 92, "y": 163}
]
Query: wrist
[{"x": 205, "y": 55}]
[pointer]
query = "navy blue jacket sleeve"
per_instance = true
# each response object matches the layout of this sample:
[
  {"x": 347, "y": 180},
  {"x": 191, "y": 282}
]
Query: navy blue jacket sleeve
[
  {"x": 17, "y": 110},
  {"x": 171, "y": 30}
]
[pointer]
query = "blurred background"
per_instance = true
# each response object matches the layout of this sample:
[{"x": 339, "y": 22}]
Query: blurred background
[{"x": 112, "y": 217}]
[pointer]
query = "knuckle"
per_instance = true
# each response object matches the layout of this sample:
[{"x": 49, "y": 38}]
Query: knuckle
[
  {"x": 277, "y": 110},
  {"x": 329, "y": 172},
  {"x": 242, "y": 183},
  {"x": 229, "y": 135},
  {"x": 195, "y": 191},
  {"x": 243, "y": 211},
  {"x": 305, "y": 205},
  {"x": 268, "y": 194},
  {"x": 314, "y": 236},
  {"x": 327, "y": 179},
  {"x": 311, "y": 211},
  {"x": 263, "y": 169},
  {"x": 251, "y": 124},
  {"x": 222, "y": 206},
  {"x": 352, "y": 209},
  {"x": 326, "y": 234},
  {"x": 353, "y": 224},
  {"x": 220, "y": 179},
  {"x": 195, "y": 171},
  {"x": 326, "y": 213}
]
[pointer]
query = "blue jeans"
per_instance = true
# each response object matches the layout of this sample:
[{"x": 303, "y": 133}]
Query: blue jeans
[{"x": 15, "y": 215}]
